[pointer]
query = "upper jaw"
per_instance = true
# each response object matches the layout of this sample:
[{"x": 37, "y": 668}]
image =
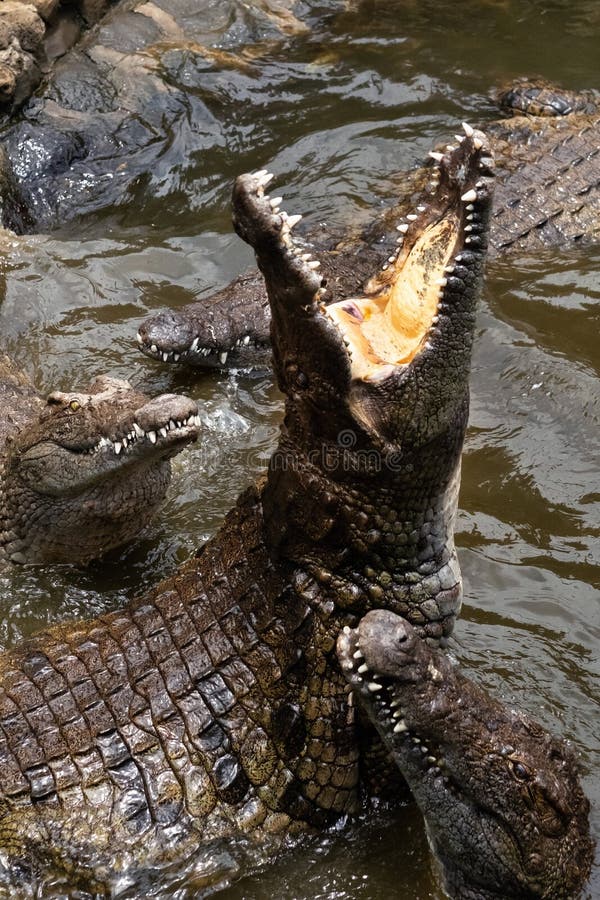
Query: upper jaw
[{"x": 402, "y": 314}]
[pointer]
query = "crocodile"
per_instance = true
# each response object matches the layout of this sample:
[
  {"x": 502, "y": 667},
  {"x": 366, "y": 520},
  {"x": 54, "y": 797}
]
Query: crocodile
[
  {"x": 547, "y": 195},
  {"x": 83, "y": 471},
  {"x": 503, "y": 806},
  {"x": 206, "y": 723}
]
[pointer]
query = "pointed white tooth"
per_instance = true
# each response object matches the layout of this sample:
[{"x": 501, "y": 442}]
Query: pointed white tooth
[
  {"x": 176, "y": 357},
  {"x": 152, "y": 437},
  {"x": 374, "y": 686},
  {"x": 163, "y": 431},
  {"x": 261, "y": 173},
  {"x": 171, "y": 424},
  {"x": 391, "y": 259},
  {"x": 139, "y": 338},
  {"x": 450, "y": 148},
  {"x": 117, "y": 447},
  {"x": 125, "y": 442},
  {"x": 154, "y": 348},
  {"x": 403, "y": 227},
  {"x": 363, "y": 668},
  {"x": 435, "y": 155},
  {"x": 313, "y": 264},
  {"x": 397, "y": 714},
  {"x": 442, "y": 282},
  {"x": 459, "y": 137},
  {"x": 139, "y": 431},
  {"x": 468, "y": 228},
  {"x": 469, "y": 196},
  {"x": 358, "y": 654},
  {"x": 400, "y": 727},
  {"x": 467, "y": 129},
  {"x": 194, "y": 344},
  {"x": 165, "y": 356},
  {"x": 197, "y": 421},
  {"x": 469, "y": 207},
  {"x": 412, "y": 217},
  {"x": 477, "y": 143},
  {"x": 276, "y": 201},
  {"x": 223, "y": 357},
  {"x": 266, "y": 178},
  {"x": 394, "y": 703},
  {"x": 470, "y": 217},
  {"x": 421, "y": 208},
  {"x": 293, "y": 220}
]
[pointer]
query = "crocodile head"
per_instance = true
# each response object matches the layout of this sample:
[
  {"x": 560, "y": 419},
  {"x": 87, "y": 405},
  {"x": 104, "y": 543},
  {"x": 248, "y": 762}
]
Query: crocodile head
[
  {"x": 229, "y": 329},
  {"x": 501, "y": 798},
  {"x": 89, "y": 471},
  {"x": 364, "y": 483}
]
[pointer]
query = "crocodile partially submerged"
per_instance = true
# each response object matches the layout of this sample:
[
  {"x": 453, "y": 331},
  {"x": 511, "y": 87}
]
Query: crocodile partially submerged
[
  {"x": 505, "y": 813},
  {"x": 208, "y": 721},
  {"x": 547, "y": 195},
  {"x": 83, "y": 471}
]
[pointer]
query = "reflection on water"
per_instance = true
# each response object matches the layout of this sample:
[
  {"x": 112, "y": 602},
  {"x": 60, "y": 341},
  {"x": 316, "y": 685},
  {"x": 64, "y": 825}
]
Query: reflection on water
[{"x": 336, "y": 112}]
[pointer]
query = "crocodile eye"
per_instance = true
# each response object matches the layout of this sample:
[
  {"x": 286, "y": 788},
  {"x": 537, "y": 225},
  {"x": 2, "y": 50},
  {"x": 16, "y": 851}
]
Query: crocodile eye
[
  {"x": 74, "y": 405},
  {"x": 520, "y": 771},
  {"x": 301, "y": 380}
]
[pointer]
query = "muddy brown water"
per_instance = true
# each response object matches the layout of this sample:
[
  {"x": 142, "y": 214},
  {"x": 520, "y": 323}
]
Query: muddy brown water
[{"x": 335, "y": 113}]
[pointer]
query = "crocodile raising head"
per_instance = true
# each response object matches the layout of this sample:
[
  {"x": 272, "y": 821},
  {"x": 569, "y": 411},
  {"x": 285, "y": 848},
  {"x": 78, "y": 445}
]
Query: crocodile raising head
[
  {"x": 83, "y": 472},
  {"x": 208, "y": 722},
  {"x": 504, "y": 810}
]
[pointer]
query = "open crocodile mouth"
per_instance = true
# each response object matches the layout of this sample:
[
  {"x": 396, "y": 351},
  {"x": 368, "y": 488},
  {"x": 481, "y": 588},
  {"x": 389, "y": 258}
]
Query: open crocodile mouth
[{"x": 438, "y": 250}]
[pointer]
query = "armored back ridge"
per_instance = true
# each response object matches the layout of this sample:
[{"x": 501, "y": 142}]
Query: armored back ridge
[{"x": 209, "y": 720}]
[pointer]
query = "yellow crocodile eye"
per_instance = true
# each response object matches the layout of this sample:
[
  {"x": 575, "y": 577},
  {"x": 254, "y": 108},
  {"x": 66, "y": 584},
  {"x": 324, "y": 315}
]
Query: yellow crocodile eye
[{"x": 74, "y": 405}]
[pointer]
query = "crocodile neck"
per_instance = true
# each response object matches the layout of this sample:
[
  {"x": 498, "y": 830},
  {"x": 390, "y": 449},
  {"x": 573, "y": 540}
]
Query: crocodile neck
[{"x": 382, "y": 540}]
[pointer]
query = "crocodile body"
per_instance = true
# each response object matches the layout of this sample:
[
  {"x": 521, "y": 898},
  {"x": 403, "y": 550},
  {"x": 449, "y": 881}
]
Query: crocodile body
[
  {"x": 209, "y": 720},
  {"x": 547, "y": 195},
  {"x": 505, "y": 813},
  {"x": 82, "y": 472}
]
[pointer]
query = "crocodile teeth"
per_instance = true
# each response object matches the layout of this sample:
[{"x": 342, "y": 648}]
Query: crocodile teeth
[
  {"x": 358, "y": 654},
  {"x": 468, "y": 130},
  {"x": 313, "y": 264},
  {"x": 362, "y": 669},
  {"x": 400, "y": 727},
  {"x": 153, "y": 348},
  {"x": 139, "y": 431},
  {"x": 469, "y": 196},
  {"x": 140, "y": 339},
  {"x": 117, "y": 447},
  {"x": 403, "y": 228},
  {"x": 163, "y": 431},
  {"x": 374, "y": 686},
  {"x": 437, "y": 156},
  {"x": 412, "y": 217},
  {"x": 152, "y": 437},
  {"x": 276, "y": 202},
  {"x": 223, "y": 357},
  {"x": 293, "y": 220}
]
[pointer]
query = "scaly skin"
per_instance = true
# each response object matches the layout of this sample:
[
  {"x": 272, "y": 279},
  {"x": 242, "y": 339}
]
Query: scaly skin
[
  {"x": 504, "y": 810},
  {"x": 547, "y": 195},
  {"x": 210, "y": 717},
  {"x": 77, "y": 476}
]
